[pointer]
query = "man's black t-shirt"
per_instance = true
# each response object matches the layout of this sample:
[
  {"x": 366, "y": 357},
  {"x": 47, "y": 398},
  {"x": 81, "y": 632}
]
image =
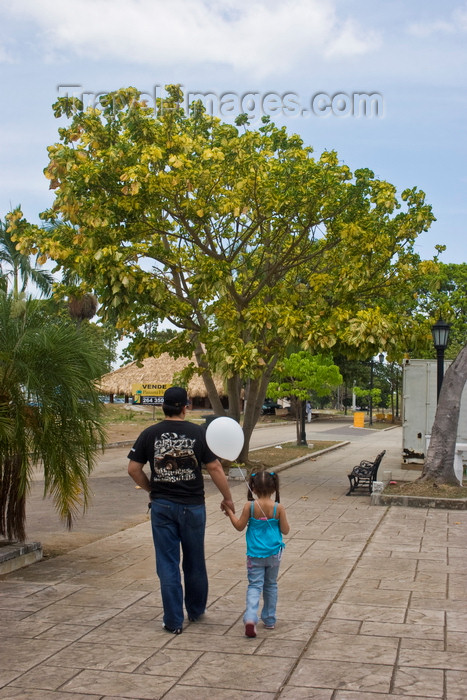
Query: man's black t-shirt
[{"x": 175, "y": 450}]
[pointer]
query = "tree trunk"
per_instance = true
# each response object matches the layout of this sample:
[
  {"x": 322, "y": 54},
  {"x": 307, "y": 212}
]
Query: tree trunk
[
  {"x": 439, "y": 463},
  {"x": 234, "y": 389},
  {"x": 251, "y": 415},
  {"x": 213, "y": 396},
  {"x": 12, "y": 498},
  {"x": 256, "y": 396},
  {"x": 298, "y": 407}
]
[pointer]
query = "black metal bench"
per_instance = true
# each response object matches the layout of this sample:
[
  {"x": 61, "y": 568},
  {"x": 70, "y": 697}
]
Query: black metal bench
[{"x": 364, "y": 474}]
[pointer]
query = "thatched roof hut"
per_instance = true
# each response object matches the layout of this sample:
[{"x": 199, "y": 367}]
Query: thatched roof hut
[{"x": 157, "y": 370}]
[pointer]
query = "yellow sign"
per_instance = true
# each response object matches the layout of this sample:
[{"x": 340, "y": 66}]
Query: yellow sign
[{"x": 143, "y": 392}]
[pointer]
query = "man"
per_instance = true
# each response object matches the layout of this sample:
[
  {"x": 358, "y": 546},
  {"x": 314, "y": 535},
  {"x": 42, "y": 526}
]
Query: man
[{"x": 175, "y": 450}]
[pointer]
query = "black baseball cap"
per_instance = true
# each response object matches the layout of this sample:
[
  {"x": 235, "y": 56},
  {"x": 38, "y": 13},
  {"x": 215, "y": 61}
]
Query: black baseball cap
[{"x": 175, "y": 397}]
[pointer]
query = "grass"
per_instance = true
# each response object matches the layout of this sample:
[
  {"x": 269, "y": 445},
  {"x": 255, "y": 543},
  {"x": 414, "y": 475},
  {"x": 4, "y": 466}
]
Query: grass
[
  {"x": 268, "y": 457},
  {"x": 124, "y": 413},
  {"x": 425, "y": 489},
  {"x": 140, "y": 415}
]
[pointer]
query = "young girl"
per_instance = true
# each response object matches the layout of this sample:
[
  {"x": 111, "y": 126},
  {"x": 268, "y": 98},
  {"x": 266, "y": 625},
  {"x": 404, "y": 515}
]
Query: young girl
[{"x": 267, "y": 522}]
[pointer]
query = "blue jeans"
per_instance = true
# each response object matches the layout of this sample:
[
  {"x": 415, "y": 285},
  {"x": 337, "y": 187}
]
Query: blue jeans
[
  {"x": 175, "y": 524},
  {"x": 262, "y": 578}
]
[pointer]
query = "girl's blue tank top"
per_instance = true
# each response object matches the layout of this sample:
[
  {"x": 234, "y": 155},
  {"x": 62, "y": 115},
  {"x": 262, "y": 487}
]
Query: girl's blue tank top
[{"x": 263, "y": 535}]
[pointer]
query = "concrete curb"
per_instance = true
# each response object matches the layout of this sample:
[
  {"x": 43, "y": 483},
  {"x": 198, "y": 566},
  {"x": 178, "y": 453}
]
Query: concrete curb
[
  {"x": 15, "y": 555},
  {"x": 298, "y": 460},
  {"x": 380, "y": 499},
  {"x": 123, "y": 443},
  {"x": 305, "y": 458}
]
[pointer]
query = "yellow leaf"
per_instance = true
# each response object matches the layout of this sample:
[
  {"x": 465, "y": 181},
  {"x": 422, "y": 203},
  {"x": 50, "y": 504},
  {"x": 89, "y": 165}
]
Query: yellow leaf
[{"x": 175, "y": 162}]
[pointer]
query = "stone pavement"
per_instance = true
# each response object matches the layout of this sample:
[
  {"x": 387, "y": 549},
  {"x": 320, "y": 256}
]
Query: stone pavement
[{"x": 372, "y": 605}]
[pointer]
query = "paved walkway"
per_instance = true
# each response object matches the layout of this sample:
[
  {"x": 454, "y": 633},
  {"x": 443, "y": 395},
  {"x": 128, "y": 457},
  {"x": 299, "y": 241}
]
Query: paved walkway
[{"x": 372, "y": 606}]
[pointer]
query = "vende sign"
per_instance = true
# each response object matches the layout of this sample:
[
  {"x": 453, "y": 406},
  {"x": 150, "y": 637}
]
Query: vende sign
[{"x": 149, "y": 394}]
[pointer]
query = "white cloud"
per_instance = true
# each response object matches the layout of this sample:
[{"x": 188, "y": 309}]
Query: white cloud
[
  {"x": 454, "y": 23},
  {"x": 427, "y": 29},
  {"x": 460, "y": 18},
  {"x": 5, "y": 56},
  {"x": 353, "y": 40},
  {"x": 265, "y": 37}
]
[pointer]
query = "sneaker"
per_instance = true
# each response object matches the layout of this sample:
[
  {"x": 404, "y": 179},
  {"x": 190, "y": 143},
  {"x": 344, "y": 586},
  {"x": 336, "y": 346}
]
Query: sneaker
[
  {"x": 177, "y": 630},
  {"x": 250, "y": 629},
  {"x": 268, "y": 627}
]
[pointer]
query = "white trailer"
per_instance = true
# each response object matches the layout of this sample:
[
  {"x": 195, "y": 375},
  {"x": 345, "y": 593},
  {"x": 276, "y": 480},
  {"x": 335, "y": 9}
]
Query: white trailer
[{"x": 419, "y": 408}]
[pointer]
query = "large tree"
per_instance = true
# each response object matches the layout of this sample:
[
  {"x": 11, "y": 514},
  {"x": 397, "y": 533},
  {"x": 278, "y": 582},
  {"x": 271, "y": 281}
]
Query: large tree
[
  {"x": 447, "y": 298},
  {"x": 439, "y": 463},
  {"x": 241, "y": 238},
  {"x": 50, "y": 414}
]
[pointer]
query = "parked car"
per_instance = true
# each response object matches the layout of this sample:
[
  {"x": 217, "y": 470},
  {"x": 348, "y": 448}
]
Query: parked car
[{"x": 269, "y": 407}]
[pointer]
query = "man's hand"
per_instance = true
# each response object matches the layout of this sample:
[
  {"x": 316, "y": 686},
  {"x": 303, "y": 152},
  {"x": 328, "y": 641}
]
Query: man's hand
[
  {"x": 227, "y": 505},
  {"x": 216, "y": 472},
  {"x": 135, "y": 470}
]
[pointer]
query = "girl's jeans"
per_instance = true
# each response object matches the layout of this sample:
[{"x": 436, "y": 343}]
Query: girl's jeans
[{"x": 262, "y": 578}]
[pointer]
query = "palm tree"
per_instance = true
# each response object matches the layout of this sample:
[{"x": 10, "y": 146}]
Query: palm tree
[
  {"x": 50, "y": 414},
  {"x": 16, "y": 267}
]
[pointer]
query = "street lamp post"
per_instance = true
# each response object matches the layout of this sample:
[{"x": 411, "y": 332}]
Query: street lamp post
[
  {"x": 397, "y": 396},
  {"x": 302, "y": 423},
  {"x": 440, "y": 333},
  {"x": 372, "y": 365}
]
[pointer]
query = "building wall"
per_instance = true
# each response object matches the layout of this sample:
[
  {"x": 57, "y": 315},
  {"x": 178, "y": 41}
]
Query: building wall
[{"x": 419, "y": 408}]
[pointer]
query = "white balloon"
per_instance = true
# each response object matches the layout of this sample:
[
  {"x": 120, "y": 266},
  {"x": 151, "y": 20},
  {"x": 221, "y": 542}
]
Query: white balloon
[{"x": 225, "y": 438}]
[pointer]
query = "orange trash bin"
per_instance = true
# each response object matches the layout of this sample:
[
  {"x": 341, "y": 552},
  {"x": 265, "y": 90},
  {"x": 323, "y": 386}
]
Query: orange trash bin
[{"x": 358, "y": 419}]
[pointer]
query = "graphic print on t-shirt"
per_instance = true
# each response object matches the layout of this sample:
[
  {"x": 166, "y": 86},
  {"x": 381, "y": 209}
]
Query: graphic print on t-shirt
[{"x": 174, "y": 458}]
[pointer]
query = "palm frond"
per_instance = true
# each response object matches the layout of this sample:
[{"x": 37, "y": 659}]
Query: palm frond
[{"x": 49, "y": 410}]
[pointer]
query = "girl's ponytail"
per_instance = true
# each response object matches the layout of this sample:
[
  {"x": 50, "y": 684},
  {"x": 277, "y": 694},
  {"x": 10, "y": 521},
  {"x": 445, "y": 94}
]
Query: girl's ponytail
[
  {"x": 263, "y": 483},
  {"x": 276, "y": 484},
  {"x": 250, "y": 484}
]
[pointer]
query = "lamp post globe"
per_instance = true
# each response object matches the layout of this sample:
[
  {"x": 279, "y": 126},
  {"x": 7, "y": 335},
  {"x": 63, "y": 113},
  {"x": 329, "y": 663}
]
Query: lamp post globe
[{"x": 440, "y": 332}]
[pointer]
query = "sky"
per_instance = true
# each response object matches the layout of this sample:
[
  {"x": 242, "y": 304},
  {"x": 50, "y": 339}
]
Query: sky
[{"x": 312, "y": 65}]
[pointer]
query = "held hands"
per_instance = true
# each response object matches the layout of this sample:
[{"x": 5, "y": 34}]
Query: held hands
[{"x": 228, "y": 507}]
